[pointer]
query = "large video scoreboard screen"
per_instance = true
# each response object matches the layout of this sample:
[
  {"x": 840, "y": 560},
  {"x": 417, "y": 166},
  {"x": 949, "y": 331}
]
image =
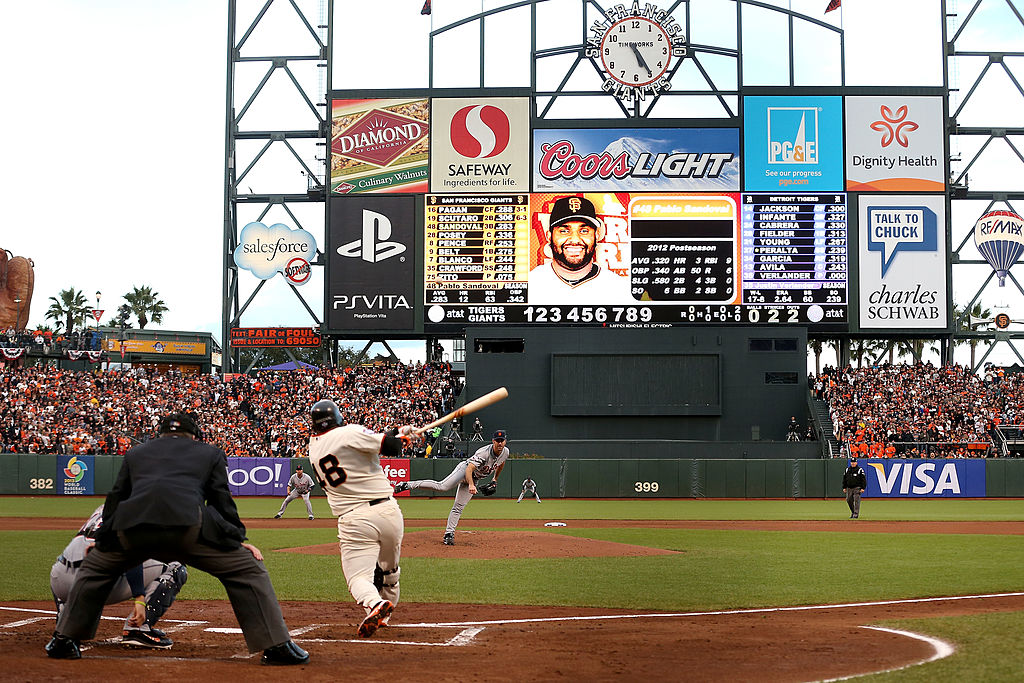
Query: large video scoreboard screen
[{"x": 621, "y": 259}]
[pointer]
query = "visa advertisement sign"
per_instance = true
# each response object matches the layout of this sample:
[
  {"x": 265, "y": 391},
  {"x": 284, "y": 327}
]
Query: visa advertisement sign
[
  {"x": 793, "y": 143},
  {"x": 924, "y": 478}
]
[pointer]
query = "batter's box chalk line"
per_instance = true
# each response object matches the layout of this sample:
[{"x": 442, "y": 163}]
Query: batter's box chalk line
[{"x": 463, "y": 637}]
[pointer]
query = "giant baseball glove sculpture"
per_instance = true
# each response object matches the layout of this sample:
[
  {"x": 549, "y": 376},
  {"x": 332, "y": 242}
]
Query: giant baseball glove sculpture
[
  {"x": 17, "y": 280},
  {"x": 488, "y": 489}
]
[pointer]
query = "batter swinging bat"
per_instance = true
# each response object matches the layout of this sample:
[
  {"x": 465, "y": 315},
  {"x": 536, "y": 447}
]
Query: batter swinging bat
[{"x": 471, "y": 407}]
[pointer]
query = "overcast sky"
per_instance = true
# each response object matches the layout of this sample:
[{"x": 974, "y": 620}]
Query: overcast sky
[{"x": 112, "y": 159}]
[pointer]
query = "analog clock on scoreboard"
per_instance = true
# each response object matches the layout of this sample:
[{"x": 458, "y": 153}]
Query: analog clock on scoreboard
[{"x": 635, "y": 51}]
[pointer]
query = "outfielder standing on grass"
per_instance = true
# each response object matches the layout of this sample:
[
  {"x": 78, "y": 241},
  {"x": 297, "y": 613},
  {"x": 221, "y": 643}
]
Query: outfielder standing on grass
[
  {"x": 299, "y": 485},
  {"x": 346, "y": 462},
  {"x": 489, "y": 459},
  {"x": 529, "y": 486},
  {"x": 153, "y": 585}
]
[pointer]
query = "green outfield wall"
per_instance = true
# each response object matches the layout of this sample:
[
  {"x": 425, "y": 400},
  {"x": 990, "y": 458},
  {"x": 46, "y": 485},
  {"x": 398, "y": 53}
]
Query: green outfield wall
[{"x": 32, "y": 474}]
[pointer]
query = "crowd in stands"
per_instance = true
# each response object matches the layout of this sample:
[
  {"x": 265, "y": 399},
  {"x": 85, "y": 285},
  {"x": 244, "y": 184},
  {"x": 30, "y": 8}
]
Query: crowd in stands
[
  {"x": 47, "y": 341},
  {"x": 48, "y": 410},
  {"x": 919, "y": 410}
]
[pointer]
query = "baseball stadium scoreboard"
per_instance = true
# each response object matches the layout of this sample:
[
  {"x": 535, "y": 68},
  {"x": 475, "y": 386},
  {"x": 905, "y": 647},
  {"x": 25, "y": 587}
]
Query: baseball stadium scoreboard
[
  {"x": 451, "y": 209},
  {"x": 731, "y": 258}
]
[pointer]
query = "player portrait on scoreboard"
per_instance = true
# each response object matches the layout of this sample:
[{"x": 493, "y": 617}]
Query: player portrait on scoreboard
[{"x": 579, "y": 251}]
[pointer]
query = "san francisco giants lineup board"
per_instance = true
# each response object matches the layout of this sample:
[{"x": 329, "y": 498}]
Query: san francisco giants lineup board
[{"x": 676, "y": 258}]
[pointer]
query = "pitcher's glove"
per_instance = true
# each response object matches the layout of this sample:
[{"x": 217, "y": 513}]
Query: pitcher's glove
[{"x": 489, "y": 488}]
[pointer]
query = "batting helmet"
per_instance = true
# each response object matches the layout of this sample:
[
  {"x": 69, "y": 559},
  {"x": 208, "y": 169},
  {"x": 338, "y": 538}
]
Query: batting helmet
[
  {"x": 180, "y": 422},
  {"x": 325, "y": 416}
]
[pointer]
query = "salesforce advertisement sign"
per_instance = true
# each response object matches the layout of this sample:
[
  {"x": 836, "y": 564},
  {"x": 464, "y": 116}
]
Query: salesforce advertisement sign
[{"x": 924, "y": 478}]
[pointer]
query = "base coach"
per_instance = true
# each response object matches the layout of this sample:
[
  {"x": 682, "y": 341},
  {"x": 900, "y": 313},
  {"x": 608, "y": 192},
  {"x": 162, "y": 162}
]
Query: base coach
[{"x": 171, "y": 502}]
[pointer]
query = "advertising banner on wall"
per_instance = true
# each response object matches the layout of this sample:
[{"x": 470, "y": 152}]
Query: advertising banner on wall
[
  {"x": 370, "y": 276},
  {"x": 895, "y": 144},
  {"x": 178, "y": 348},
  {"x": 638, "y": 159},
  {"x": 480, "y": 145},
  {"x": 963, "y": 478},
  {"x": 379, "y": 145},
  {"x": 75, "y": 475},
  {"x": 793, "y": 144},
  {"x": 396, "y": 470},
  {"x": 258, "y": 476},
  {"x": 902, "y": 261}
]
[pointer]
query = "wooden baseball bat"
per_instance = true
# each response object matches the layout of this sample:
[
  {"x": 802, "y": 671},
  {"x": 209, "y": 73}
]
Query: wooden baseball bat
[{"x": 471, "y": 407}]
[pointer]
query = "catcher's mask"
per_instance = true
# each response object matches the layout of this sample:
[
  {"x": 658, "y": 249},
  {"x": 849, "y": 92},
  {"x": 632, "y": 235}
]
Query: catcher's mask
[
  {"x": 180, "y": 423},
  {"x": 325, "y": 416}
]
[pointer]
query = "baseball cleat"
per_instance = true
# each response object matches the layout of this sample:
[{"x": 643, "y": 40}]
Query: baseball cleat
[
  {"x": 62, "y": 647},
  {"x": 449, "y": 539},
  {"x": 380, "y": 612},
  {"x": 138, "y": 638},
  {"x": 401, "y": 486},
  {"x": 311, "y": 517},
  {"x": 277, "y": 516}
]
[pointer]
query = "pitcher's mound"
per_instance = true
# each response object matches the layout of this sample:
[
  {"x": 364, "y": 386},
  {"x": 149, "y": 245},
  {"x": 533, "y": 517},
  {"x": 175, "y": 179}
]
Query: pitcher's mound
[{"x": 486, "y": 545}]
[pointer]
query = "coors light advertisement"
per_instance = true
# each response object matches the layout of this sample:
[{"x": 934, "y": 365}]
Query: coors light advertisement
[
  {"x": 379, "y": 145},
  {"x": 637, "y": 160}
]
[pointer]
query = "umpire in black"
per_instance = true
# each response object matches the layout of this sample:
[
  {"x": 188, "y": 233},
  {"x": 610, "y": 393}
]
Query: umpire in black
[
  {"x": 171, "y": 502},
  {"x": 854, "y": 483}
]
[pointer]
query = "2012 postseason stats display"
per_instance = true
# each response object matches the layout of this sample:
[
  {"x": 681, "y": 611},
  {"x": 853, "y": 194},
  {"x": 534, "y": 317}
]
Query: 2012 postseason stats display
[{"x": 659, "y": 259}]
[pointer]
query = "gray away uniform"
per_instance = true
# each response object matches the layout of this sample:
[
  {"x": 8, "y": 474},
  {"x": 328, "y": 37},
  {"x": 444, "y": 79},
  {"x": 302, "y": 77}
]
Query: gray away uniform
[{"x": 485, "y": 461}]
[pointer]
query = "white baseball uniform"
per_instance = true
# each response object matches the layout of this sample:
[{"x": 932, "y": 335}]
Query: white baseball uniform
[{"x": 346, "y": 461}]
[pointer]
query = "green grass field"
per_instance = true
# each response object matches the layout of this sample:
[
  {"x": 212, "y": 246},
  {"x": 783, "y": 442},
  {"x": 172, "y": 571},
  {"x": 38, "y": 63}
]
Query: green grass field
[{"x": 715, "y": 569}]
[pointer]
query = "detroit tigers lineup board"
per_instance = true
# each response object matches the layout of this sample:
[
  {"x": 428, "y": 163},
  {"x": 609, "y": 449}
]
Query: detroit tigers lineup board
[{"x": 679, "y": 258}]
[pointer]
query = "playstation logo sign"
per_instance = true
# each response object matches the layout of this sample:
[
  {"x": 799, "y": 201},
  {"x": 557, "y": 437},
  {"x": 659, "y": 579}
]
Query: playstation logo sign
[{"x": 373, "y": 246}]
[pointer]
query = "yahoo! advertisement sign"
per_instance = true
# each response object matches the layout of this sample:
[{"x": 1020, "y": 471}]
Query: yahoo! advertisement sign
[
  {"x": 258, "y": 476},
  {"x": 924, "y": 478}
]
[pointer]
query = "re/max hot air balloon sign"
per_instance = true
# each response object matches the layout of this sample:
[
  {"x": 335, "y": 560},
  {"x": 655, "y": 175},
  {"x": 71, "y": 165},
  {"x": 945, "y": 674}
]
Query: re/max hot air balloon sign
[{"x": 999, "y": 236}]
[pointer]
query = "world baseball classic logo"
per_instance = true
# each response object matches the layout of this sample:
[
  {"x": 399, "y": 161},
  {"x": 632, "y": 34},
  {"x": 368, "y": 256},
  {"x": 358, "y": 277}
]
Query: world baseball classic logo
[{"x": 480, "y": 131}]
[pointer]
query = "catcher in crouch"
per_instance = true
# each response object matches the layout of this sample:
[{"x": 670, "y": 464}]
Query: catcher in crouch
[{"x": 487, "y": 460}]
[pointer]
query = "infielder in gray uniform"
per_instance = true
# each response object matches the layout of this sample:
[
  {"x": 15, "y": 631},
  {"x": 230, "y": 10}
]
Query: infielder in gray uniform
[
  {"x": 529, "y": 486},
  {"x": 153, "y": 584},
  {"x": 487, "y": 460},
  {"x": 299, "y": 485}
]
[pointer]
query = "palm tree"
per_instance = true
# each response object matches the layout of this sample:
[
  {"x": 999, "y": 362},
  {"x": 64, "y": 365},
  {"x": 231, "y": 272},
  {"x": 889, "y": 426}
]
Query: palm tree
[
  {"x": 146, "y": 305},
  {"x": 962, "y": 323},
  {"x": 70, "y": 305}
]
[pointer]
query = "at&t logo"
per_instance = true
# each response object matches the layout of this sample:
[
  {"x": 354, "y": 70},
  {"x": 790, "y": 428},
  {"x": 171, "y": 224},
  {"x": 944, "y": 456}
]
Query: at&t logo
[
  {"x": 373, "y": 246},
  {"x": 480, "y": 131}
]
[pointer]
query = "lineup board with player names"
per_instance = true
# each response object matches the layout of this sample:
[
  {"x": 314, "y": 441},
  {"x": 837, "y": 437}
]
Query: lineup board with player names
[{"x": 752, "y": 258}]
